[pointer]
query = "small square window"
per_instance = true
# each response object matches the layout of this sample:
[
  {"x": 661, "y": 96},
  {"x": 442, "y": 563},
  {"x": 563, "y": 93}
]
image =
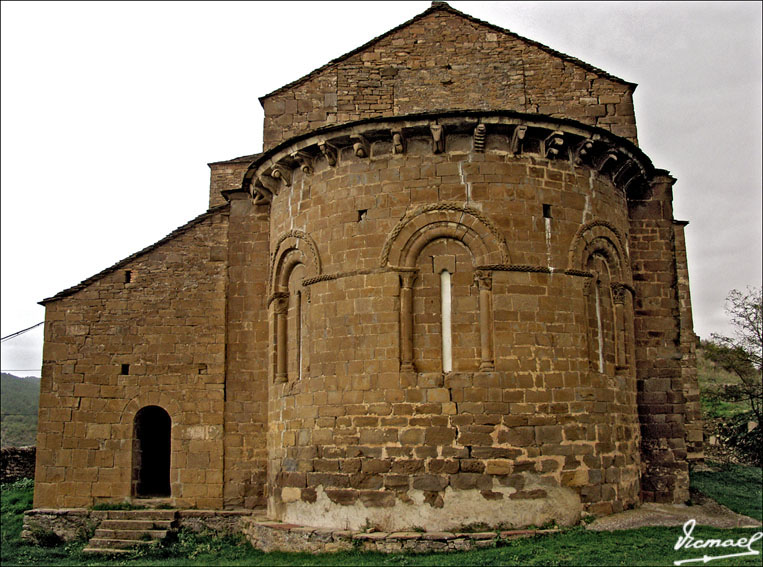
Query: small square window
[
  {"x": 546, "y": 211},
  {"x": 125, "y": 369}
]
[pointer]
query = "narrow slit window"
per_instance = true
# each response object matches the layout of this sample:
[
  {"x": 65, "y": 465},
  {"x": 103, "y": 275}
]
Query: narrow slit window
[
  {"x": 128, "y": 276},
  {"x": 546, "y": 211},
  {"x": 299, "y": 335},
  {"x": 445, "y": 312}
]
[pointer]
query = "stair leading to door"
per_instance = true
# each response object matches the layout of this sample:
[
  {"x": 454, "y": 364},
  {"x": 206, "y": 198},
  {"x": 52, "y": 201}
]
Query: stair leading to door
[{"x": 124, "y": 530}]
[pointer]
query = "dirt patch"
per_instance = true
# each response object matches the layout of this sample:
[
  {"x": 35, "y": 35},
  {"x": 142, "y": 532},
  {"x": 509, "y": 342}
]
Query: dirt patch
[{"x": 706, "y": 511}]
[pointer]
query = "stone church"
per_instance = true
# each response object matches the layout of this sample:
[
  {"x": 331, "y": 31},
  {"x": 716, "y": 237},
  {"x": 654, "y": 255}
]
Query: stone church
[{"x": 449, "y": 291}]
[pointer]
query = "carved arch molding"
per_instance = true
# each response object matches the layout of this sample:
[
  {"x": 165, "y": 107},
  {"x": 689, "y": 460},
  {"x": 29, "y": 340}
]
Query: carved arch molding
[
  {"x": 294, "y": 248},
  {"x": 599, "y": 249},
  {"x": 448, "y": 220}
]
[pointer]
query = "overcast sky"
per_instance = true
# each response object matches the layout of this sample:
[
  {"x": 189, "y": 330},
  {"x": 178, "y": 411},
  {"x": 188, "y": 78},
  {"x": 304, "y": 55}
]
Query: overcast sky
[{"x": 111, "y": 111}]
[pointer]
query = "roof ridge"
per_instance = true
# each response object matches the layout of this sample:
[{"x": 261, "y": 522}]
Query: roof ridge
[
  {"x": 177, "y": 232},
  {"x": 438, "y": 6}
]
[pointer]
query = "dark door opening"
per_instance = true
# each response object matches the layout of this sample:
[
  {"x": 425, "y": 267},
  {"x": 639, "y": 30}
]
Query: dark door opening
[{"x": 151, "y": 453}]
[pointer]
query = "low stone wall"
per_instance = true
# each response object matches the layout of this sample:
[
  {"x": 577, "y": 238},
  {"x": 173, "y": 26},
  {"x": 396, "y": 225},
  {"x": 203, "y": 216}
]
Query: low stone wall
[
  {"x": 79, "y": 523},
  {"x": 17, "y": 463},
  {"x": 218, "y": 521},
  {"x": 67, "y": 524},
  {"x": 275, "y": 536}
]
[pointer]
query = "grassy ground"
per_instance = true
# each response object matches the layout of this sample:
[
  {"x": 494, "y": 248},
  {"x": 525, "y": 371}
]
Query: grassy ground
[
  {"x": 737, "y": 487},
  {"x": 712, "y": 378}
]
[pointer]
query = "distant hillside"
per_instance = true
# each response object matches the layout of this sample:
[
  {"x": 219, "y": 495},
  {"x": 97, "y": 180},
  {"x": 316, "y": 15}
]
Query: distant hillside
[{"x": 19, "y": 398}]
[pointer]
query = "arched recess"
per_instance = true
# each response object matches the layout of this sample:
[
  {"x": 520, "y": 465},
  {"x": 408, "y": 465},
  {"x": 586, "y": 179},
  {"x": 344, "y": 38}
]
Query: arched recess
[
  {"x": 295, "y": 259},
  {"x": 440, "y": 222},
  {"x": 437, "y": 220},
  {"x": 598, "y": 248}
]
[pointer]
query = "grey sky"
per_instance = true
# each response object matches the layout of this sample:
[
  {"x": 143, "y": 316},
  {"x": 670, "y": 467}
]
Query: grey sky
[{"x": 111, "y": 111}]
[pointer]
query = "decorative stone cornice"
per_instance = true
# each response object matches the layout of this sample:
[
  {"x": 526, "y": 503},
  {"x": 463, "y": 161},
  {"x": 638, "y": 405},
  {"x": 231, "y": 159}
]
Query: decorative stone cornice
[{"x": 513, "y": 133}]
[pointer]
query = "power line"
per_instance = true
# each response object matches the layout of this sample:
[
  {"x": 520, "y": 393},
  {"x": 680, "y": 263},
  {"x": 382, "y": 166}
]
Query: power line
[{"x": 21, "y": 332}]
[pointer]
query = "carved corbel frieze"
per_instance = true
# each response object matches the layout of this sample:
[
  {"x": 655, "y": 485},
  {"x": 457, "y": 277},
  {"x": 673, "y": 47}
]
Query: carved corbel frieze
[
  {"x": 260, "y": 199},
  {"x": 479, "y": 138},
  {"x": 607, "y": 160},
  {"x": 259, "y": 192},
  {"x": 398, "y": 142},
  {"x": 270, "y": 184},
  {"x": 328, "y": 151},
  {"x": 583, "y": 151},
  {"x": 622, "y": 173},
  {"x": 517, "y": 139},
  {"x": 438, "y": 138},
  {"x": 634, "y": 182},
  {"x": 553, "y": 144},
  {"x": 361, "y": 147},
  {"x": 281, "y": 173},
  {"x": 304, "y": 160}
]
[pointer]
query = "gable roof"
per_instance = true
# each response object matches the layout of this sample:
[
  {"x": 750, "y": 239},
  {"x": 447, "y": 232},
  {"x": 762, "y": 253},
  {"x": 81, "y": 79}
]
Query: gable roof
[
  {"x": 177, "y": 232},
  {"x": 443, "y": 6}
]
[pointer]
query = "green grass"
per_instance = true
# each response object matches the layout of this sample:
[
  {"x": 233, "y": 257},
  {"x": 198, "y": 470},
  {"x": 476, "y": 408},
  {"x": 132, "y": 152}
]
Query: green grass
[
  {"x": 712, "y": 378},
  {"x": 737, "y": 487}
]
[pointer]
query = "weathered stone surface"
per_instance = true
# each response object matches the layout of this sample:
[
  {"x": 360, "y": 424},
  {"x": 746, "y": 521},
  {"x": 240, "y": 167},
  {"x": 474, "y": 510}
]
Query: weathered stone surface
[{"x": 406, "y": 315}]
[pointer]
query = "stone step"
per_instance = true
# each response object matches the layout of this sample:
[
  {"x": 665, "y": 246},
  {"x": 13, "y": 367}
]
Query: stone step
[
  {"x": 138, "y": 535},
  {"x": 141, "y": 514},
  {"x": 138, "y": 525},
  {"x": 105, "y": 550},
  {"x": 98, "y": 543}
]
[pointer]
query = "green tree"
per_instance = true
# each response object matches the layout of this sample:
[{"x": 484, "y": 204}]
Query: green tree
[{"x": 742, "y": 355}]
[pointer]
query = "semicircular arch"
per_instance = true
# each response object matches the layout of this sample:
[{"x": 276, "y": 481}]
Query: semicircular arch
[
  {"x": 426, "y": 223},
  {"x": 600, "y": 237},
  {"x": 294, "y": 247}
]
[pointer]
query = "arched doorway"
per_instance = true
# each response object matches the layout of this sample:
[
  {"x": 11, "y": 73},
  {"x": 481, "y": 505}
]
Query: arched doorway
[{"x": 151, "y": 453}]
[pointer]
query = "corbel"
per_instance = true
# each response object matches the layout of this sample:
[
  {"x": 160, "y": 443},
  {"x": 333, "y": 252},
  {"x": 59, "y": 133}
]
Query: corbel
[
  {"x": 553, "y": 144},
  {"x": 398, "y": 142},
  {"x": 628, "y": 185},
  {"x": 328, "y": 151},
  {"x": 281, "y": 173},
  {"x": 619, "y": 175},
  {"x": 479, "y": 138},
  {"x": 361, "y": 147},
  {"x": 304, "y": 160},
  {"x": 583, "y": 151},
  {"x": 438, "y": 140},
  {"x": 606, "y": 160},
  {"x": 260, "y": 199},
  {"x": 268, "y": 183},
  {"x": 517, "y": 137}
]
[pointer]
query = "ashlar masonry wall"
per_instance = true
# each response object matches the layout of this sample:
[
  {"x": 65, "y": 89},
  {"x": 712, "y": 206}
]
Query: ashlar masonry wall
[
  {"x": 114, "y": 346},
  {"x": 443, "y": 59},
  {"x": 529, "y": 426}
]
